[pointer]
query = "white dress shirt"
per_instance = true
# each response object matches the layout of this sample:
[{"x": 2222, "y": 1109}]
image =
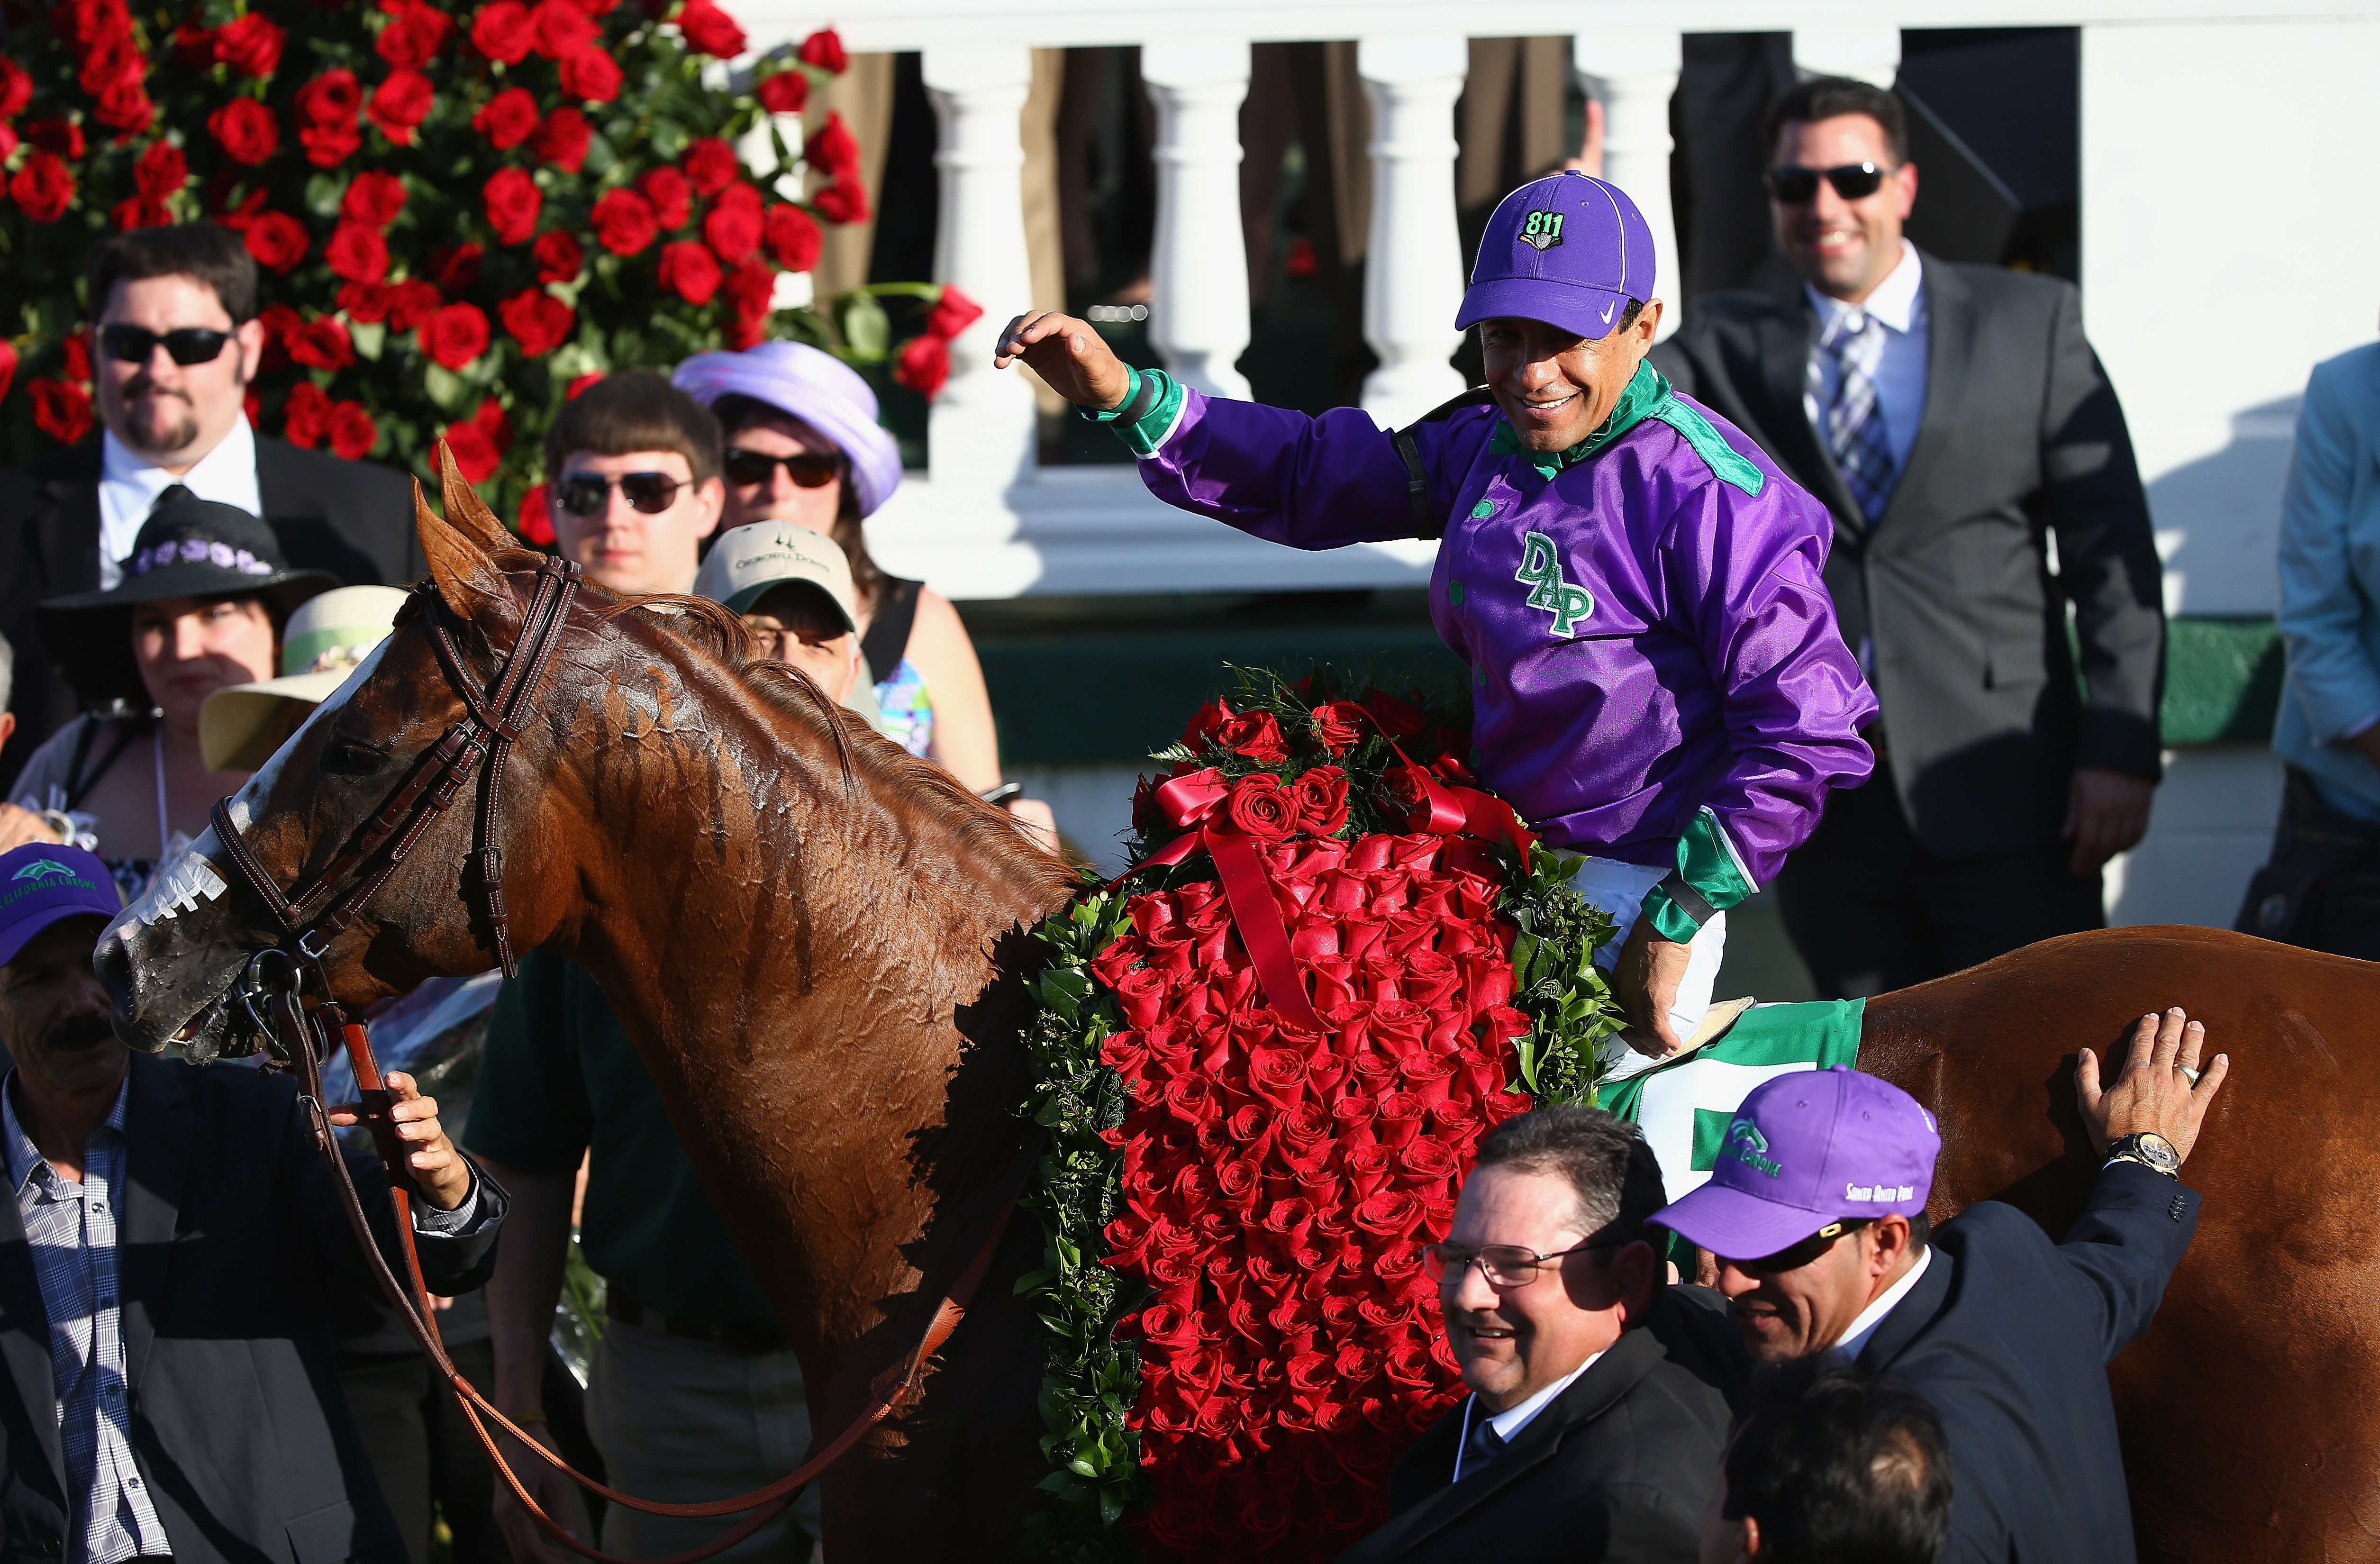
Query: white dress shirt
[
  {"x": 1872, "y": 1316},
  {"x": 1898, "y": 305},
  {"x": 128, "y": 488},
  {"x": 1508, "y": 1423}
]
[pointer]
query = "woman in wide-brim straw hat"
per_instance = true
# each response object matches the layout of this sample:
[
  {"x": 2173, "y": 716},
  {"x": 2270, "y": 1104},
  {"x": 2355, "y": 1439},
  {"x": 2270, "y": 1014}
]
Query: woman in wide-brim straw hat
[
  {"x": 201, "y": 607},
  {"x": 326, "y": 641}
]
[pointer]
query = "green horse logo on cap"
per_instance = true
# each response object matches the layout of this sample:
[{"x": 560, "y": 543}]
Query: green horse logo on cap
[
  {"x": 1542, "y": 230},
  {"x": 1748, "y": 1145},
  {"x": 40, "y": 872}
]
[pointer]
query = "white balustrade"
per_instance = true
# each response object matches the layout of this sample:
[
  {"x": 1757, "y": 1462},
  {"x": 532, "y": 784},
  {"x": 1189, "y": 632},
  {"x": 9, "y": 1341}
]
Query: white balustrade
[
  {"x": 1413, "y": 260},
  {"x": 982, "y": 432},
  {"x": 1864, "y": 53},
  {"x": 1637, "y": 69},
  {"x": 1198, "y": 267}
]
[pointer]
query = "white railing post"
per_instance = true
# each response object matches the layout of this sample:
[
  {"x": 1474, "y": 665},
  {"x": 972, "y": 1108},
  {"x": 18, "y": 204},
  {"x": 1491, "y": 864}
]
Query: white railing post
[
  {"x": 982, "y": 429},
  {"x": 1199, "y": 268},
  {"x": 1638, "y": 70},
  {"x": 1413, "y": 260},
  {"x": 1864, "y": 53}
]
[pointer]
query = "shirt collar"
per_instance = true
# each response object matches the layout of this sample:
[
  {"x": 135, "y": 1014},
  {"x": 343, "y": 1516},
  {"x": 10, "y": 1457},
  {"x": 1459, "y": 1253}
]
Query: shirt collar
[
  {"x": 1508, "y": 1423},
  {"x": 1872, "y": 1316},
  {"x": 23, "y": 1154},
  {"x": 1647, "y": 392},
  {"x": 226, "y": 475},
  {"x": 1894, "y": 303}
]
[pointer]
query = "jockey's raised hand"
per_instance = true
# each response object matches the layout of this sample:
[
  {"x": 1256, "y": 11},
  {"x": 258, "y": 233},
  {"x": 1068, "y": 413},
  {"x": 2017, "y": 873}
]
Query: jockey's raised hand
[{"x": 1065, "y": 352}]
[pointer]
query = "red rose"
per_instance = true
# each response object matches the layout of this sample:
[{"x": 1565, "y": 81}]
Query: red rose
[
  {"x": 558, "y": 257},
  {"x": 786, "y": 92},
  {"x": 245, "y": 130},
  {"x": 512, "y": 202},
  {"x": 373, "y": 199},
  {"x": 124, "y": 105},
  {"x": 711, "y": 166},
  {"x": 161, "y": 171},
  {"x": 322, "y": 343},
  {"x": 538, "y": 321},
  {"x": 7, "y": 365},
  {"x": 332, "y": 98},
  {"x": 924, "y": 365},
  {"x": 457, "y": 267},
  {"x": 750, "y": 290},
  {"x": 1321, "y": 796},
  {"x": 414, "y": 34},
  {"x": 833, "y": 152},
  {"x": 306, "y": 417},
  {"x": 562, "y": 29},
  {"x": 401, "y": 102},
  {"x": 77, "y": 352},
  {"x": 480, "y": 443},
  {"x": 502, "y": 30},
  {"x": 793, "y": 237},
  {"x": 952, "y": 312},
  {"x": 17, "y": 87},
  {"x": 193, "y": 46},
  {"x": 8, "y": 142},
  {"x": 42, "y": 186},
  {"x": 353, "y": 433},
  {"x": 733, "y": 225},
  {"x": 61, "y": 411},
  {"x": 625, "y": 223},
  {"x": 508, "y": 118},
  {"x": 1255, "y": 735},
  {"x": 280, "y": 322},
  {"x": 843, "y": 201},
  {"x": 672, "y": 196},
  {"x": 710, "y": 30},
  {"x": 1260, "y": 807},
  {"x": 690, "y": 270},
  {"x": 534, "y": 524},
  {"x": 561, "y": 139},
  {"x": 411, "y": 305},
  {"x": 358, "y": 253},
  {"x": 278, "y": 241},
  {"x": 824, "y": 50},
  {"x": 366, "y": 302},
  {"x": 454, "y": 335},
  {"x": 591, "y": 76},
  {"x": 250, "y": 45},
  {"x": 59, "y": 138},
  {"x": 1340, "y": 724},
  {"x": 570, "y": 393},
  {"x": 112, "y": 59}
]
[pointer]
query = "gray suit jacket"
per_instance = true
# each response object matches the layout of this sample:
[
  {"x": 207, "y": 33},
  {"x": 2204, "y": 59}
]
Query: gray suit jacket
[{"x": 1983, "y": 715}]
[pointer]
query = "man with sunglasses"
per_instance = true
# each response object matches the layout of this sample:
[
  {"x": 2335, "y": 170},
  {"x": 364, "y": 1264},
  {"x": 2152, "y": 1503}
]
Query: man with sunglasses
[
  {"x": 1951, "y": 417},
  {"x": 1815, "y": 1214},
  {"x": 174, "y": 343}
]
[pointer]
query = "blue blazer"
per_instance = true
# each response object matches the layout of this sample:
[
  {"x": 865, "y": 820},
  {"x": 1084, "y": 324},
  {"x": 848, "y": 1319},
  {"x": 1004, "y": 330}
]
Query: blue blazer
[
  {"x": 2009, "y": 1335},
  {"x": 2330, "y": 580}
]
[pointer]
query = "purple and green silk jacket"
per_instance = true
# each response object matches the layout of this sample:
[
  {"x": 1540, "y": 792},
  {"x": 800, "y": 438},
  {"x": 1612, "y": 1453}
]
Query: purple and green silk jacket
[{"x": 1657, "y": 677}]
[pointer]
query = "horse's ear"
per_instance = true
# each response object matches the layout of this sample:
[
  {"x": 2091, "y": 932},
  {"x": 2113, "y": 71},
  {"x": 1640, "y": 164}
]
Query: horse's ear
[
  {"x": 465, "y": 512},
  {"x": 459, "y": 555}
]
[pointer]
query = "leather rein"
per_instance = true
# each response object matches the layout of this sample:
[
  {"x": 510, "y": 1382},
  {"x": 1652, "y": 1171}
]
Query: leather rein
[{"x": 314, "y": 913}]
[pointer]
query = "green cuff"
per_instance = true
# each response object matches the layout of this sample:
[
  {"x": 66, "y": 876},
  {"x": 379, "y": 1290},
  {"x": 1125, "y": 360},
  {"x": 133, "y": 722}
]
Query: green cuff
[
  {"x": 1709, "y": 879},
  {"x": 1147, "y": 415}
]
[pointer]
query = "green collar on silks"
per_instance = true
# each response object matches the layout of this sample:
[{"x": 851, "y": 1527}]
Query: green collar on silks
[{"x": 1647, "y": 396}]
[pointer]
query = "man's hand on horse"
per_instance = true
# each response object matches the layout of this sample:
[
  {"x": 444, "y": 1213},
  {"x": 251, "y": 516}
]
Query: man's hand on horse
[
  {"x": 1645, "y": 980},
  {"x": 1075, "y": 359},
  {"x": 437, "y": 1167},
  {"x": 2160, "y": 1089}
]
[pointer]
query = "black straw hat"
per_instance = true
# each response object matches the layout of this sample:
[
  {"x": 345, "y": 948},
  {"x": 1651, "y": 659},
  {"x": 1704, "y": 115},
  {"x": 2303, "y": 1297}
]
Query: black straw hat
[{"x": 187, "y": 547}]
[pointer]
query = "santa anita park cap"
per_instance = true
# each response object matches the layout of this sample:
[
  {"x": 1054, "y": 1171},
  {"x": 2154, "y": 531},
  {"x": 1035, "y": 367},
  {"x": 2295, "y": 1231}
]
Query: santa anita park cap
[
  {"x": 1804, "y": 1150},
  {"x": 39, "y": 885},
  {"x": 1568, "y": 249}
]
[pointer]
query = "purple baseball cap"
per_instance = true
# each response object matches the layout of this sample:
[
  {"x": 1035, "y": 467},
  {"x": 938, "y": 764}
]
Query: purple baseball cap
[
  {"x": 1807, "y": 1150},
  {"x": 39, "y": 885},
  {"x": 1569, "y": 249}
]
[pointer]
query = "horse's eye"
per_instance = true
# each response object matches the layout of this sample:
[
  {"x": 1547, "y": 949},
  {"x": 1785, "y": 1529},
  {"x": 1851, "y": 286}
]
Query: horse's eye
[{"x": 345, "y": 758}]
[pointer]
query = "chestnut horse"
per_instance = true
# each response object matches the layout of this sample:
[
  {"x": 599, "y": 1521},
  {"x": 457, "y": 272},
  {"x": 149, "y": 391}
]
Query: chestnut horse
[{"x": 814, "y": 943}]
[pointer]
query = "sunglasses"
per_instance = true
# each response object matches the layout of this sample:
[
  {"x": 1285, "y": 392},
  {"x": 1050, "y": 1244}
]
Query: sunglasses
[
  {"x": 586, "y": 494},
  {"x": 1801, "y": 1253},
  {"x": 187, "y": 345},
  {"x": 1799, "y": 186},
  {"x": 808, "y": 469}
]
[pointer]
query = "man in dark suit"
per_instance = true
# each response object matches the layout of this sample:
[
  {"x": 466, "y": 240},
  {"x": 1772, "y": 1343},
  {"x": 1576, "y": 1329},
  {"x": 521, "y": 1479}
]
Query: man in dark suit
[
  {"x": 175, "y": 343},
  {"x": 1816, "y": 1213},
  {"x": 1951, "y": 418},
  {"x": 172, "y": 1250},
  {"x": 1599, "y": 1394}
]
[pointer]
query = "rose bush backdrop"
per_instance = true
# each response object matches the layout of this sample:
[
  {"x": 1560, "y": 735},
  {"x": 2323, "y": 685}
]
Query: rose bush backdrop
[{"x": 460, "y": 215}]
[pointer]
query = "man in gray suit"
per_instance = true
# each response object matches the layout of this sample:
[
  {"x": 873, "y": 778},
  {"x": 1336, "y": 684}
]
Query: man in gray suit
[{"x": 1951, "y": 417}]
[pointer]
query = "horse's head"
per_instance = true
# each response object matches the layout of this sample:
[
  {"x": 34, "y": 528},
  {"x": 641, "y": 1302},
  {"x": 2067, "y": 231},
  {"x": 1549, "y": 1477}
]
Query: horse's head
[{"x": 171, "y": 959}]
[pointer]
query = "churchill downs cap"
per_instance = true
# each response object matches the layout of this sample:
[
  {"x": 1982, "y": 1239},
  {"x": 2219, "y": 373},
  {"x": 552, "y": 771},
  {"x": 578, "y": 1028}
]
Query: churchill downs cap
[
  {"x": 1804, "y": 1150},
  {"x": 748, "y": 562},
  {"x": 39, "y": 885},
  {"x": 1569, "y": 249}
]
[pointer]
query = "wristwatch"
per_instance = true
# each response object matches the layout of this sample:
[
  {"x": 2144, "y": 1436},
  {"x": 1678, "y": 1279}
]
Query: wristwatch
[{"x": 2151, "y": 1151}]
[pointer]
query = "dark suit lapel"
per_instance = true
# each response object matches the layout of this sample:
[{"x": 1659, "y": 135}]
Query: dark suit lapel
[
  {"x": 156, "y": 1163},
  {"x": 1950, "y": 325},
  {"x": 25, "y": 1333},
  {"x": 1911, "y": 1315},
  {"x": 1785, "y": 339},
  {"x": 69, "y": 542},
  {"x": 274, "y": 485}
]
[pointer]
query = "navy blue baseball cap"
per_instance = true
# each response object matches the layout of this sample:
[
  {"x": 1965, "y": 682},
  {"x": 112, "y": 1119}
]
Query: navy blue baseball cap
[
  {"x": 1569, "y": 249},
  {"x": 39, "y": 885}
]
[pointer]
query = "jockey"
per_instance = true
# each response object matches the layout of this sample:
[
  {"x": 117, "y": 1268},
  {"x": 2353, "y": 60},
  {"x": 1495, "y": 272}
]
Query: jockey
[{"x": 1659, "y": 684}]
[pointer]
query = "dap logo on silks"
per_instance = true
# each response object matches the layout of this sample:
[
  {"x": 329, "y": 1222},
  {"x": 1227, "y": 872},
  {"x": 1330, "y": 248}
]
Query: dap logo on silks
[
  {"x": 1748, "y": 1145},
  {"x": 1542, "y": 231},
  {"x": 1541, "y": 573},
  {"x": 41, "y": 871}
]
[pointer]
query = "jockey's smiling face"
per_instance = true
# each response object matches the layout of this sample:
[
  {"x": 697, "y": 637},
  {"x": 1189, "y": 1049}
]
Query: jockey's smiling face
[
  {"x": 1555, "y": 388},
  {"x": 601, "y": 518},
  {"x": 1802, "y": 1299}
]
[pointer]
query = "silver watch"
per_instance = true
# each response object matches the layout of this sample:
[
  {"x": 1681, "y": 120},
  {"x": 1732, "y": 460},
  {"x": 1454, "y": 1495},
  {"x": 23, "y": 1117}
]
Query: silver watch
[{"x": 2150, "y": 1150}]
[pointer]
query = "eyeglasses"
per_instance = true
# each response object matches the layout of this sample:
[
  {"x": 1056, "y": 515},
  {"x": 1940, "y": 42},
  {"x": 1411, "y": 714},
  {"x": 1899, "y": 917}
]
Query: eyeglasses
[
  {"x": 1802, "y": 1254},
  {"x": 1504, "y": 1264},
  {"x": 586, "y": 494},
  {"x": 808, "y": 469},
  {"x": 188, "y": 345},
  {"x": 1799, "y": 186}
]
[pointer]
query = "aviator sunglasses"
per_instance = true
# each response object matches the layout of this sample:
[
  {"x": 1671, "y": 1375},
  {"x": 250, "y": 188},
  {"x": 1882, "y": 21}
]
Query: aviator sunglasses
[
  {"x": 808, "y": 469},
  {"x": 187, "y": 345},
  {"x": 585, "y": 494},
  {"x": 1794, "y": 186}
]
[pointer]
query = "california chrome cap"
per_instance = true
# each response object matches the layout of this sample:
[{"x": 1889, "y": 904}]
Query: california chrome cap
[
  {"x": 747, "y": 562},
  {"x": 1569, "y": 249},
  {"x": 39, "y": 885},
  {"x": 1807, "y": 1150}
]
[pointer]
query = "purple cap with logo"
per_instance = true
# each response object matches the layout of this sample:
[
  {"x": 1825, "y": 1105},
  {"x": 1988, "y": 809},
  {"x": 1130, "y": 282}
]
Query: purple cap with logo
[
  {"x": 40, "y": 885},
  {"x": 1807, "y": 1150},
  {"x": 1569, "y": 249}
]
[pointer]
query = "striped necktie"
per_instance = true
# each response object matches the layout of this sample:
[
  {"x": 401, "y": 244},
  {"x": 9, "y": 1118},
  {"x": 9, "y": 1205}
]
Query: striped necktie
[{"x": 1855, "y": 432}]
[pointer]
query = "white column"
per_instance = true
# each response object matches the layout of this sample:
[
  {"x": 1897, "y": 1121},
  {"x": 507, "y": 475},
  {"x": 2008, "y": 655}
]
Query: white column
[
  {"x": 1413, "y": 262},
  {"x": 983, "y": 429},
  {"x": 1637, "y": 69},
  {"x": 1864, "y": 53},
  {"x": 1198, "y": 271}
]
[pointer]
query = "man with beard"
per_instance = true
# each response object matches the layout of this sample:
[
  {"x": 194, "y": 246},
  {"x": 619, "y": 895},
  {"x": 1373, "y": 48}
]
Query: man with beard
[
  {"x": 171, "y": 1246},
  {"x": 174, "y": 343}
]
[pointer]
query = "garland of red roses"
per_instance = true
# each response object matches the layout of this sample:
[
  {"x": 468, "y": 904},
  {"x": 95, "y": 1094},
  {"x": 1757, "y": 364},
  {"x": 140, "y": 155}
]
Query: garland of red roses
[{"x": 1241, "y": 1337}]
